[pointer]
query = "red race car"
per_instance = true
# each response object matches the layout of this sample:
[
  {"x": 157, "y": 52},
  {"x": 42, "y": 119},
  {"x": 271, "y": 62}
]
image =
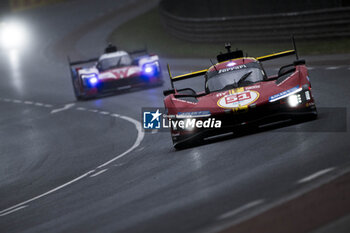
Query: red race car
[
  {"x": 238, "y": 95},
  {"x": 114, "y": 70}
]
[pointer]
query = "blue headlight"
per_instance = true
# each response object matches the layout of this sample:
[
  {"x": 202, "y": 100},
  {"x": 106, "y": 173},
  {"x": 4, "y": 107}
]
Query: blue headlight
[
  {"x": 90, "y": 79},
  {"x": 150, "y": 69},
  {"x": 93, "y": 80}
]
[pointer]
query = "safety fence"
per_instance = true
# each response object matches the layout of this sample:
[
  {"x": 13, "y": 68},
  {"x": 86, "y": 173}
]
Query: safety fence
[
  {"x": 17, "y": 5},
  {"x": 325, "y": 23}
]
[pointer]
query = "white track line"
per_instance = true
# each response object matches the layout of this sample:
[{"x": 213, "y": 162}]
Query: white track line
[
  {"x": 48, "y": 192},
  {"x": 98, "y": 173},
  {"x": 240, "y": 209},
  {"x": 139, "y": 139},
  {"x": 332, "y": 68},
  {"x": 154, "y": 131},
  {"x": 140, "y": 136},
  {"x": 104, "y": 113},
  {"x": 39, "y": 104},
  {"x": 315, "y": 175},
  {"x": 13, "y": 210},
  {"x": 140, "y": 149},
  {"x": 66, "y": 107}
]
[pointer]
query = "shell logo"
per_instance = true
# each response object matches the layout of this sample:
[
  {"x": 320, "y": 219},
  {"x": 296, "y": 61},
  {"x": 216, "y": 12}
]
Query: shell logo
[{"x": 237, "y": 100}]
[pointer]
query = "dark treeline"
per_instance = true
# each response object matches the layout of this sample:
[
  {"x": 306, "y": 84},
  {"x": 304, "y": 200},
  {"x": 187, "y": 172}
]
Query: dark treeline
[{"x": 219, "y": 8}]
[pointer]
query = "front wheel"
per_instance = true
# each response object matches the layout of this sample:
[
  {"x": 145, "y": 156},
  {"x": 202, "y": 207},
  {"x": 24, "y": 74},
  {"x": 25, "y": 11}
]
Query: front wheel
[{"x": 183, "y": 142}]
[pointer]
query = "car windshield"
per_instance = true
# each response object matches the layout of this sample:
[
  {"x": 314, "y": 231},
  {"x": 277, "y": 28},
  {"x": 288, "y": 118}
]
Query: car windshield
[
  {"x": 115, "y": 62},
  {"x": 233, "y": 77}
]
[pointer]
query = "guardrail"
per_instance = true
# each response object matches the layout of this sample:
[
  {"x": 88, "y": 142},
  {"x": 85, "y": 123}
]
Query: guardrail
[
  {"x": 325, "y": 23},
  {"x": 17, "y": 5}
]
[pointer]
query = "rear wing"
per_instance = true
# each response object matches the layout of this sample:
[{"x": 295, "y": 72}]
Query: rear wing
[
  {"x": 276, "y": 55},
  {"x": 233, "y": 55},
  {"x": 138, "y": 52},
  {"x": 74, "y": 63},
  {"x": 281, "y": 54},
  {"x": 202, "y": 72},
  {"x": 184, "y": 76}
]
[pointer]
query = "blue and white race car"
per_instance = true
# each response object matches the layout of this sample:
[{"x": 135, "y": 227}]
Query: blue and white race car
[{"x": 114, "y": 70}]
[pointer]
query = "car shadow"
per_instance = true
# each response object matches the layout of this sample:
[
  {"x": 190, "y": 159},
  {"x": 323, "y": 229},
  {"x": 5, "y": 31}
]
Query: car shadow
[
  {"x": 281, "y": 126},
  {"x": 329, "y": 119},
  {"x": 121, "y": 92}
]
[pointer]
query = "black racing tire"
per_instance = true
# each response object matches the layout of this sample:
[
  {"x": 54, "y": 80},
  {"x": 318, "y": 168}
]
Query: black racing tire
[
  {"x": 181, "y": 145},
  {"x": 313, "y": 115},
  {"x": 77, "y": 95},
  {"x": 187, "y": 142}
]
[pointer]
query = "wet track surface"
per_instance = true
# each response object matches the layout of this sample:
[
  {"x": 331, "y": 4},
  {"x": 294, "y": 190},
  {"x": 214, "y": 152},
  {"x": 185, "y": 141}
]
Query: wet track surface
[{"x": 49, "y": 140}]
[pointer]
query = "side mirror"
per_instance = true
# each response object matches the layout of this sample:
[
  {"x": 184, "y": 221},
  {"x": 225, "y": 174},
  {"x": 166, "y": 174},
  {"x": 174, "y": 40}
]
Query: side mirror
[
  {"x": 135, "y": 62},
  {"x": 299, "y": 62},
  {"x": 272, "y": 77},
  {"x": 168, "y": 92},
  {"x": 98, "y": 66},
  {"x": 286, "y": 69}
]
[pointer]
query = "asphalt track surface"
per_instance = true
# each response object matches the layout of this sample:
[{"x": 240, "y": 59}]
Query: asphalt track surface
[{"x": 68, "y": 166}]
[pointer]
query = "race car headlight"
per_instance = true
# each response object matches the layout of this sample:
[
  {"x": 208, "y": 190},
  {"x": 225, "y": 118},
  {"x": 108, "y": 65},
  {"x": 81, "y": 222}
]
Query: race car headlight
[
  {"x": 294, "y": 100},
  {"x": 151, "y": 68},
  {"x": 92, "y": 79}
]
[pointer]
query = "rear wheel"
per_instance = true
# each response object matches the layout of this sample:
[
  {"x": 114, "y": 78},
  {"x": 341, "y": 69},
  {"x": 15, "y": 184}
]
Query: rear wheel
[
  {"x": 179, "y": 145},
  {"x": 77, "y": 94},
  {"x": 76, "y": 90},
  {"x": 313, "y": 115},
  {"x": 182, "y": 142}
]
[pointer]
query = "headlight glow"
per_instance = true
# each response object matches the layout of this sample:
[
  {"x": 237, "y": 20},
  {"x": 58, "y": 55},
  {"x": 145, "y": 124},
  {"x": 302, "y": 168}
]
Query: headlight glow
[
  {"x": 151, "y": 69},
  {"x": 13, "y": 35},
  {"x": 91, "y": 78},
  {"x": 294, "y": 100}
]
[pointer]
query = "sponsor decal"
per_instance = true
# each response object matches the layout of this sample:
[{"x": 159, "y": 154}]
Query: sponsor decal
[
  {"x": 283, "y": 94},
  {"x": 222, "y": 94},
  {"x": 232, "y": 68},
  {"x": 238, "y": 99},
  {"x": 120, "y": 73},
  {"x": 237, "y": 90},
  {"x": 184, "y": 101},
  {"x": 252, "y": 87},
  {"x": 193, "y": 114}
]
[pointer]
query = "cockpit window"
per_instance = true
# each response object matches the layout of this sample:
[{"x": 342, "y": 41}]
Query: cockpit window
[
  {"x": 233, "y": 77},
  {"x": 114, "y": 62}
]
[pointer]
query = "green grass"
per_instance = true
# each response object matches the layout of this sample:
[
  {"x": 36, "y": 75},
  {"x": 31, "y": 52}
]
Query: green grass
[{"x": 147, "y": 30}]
